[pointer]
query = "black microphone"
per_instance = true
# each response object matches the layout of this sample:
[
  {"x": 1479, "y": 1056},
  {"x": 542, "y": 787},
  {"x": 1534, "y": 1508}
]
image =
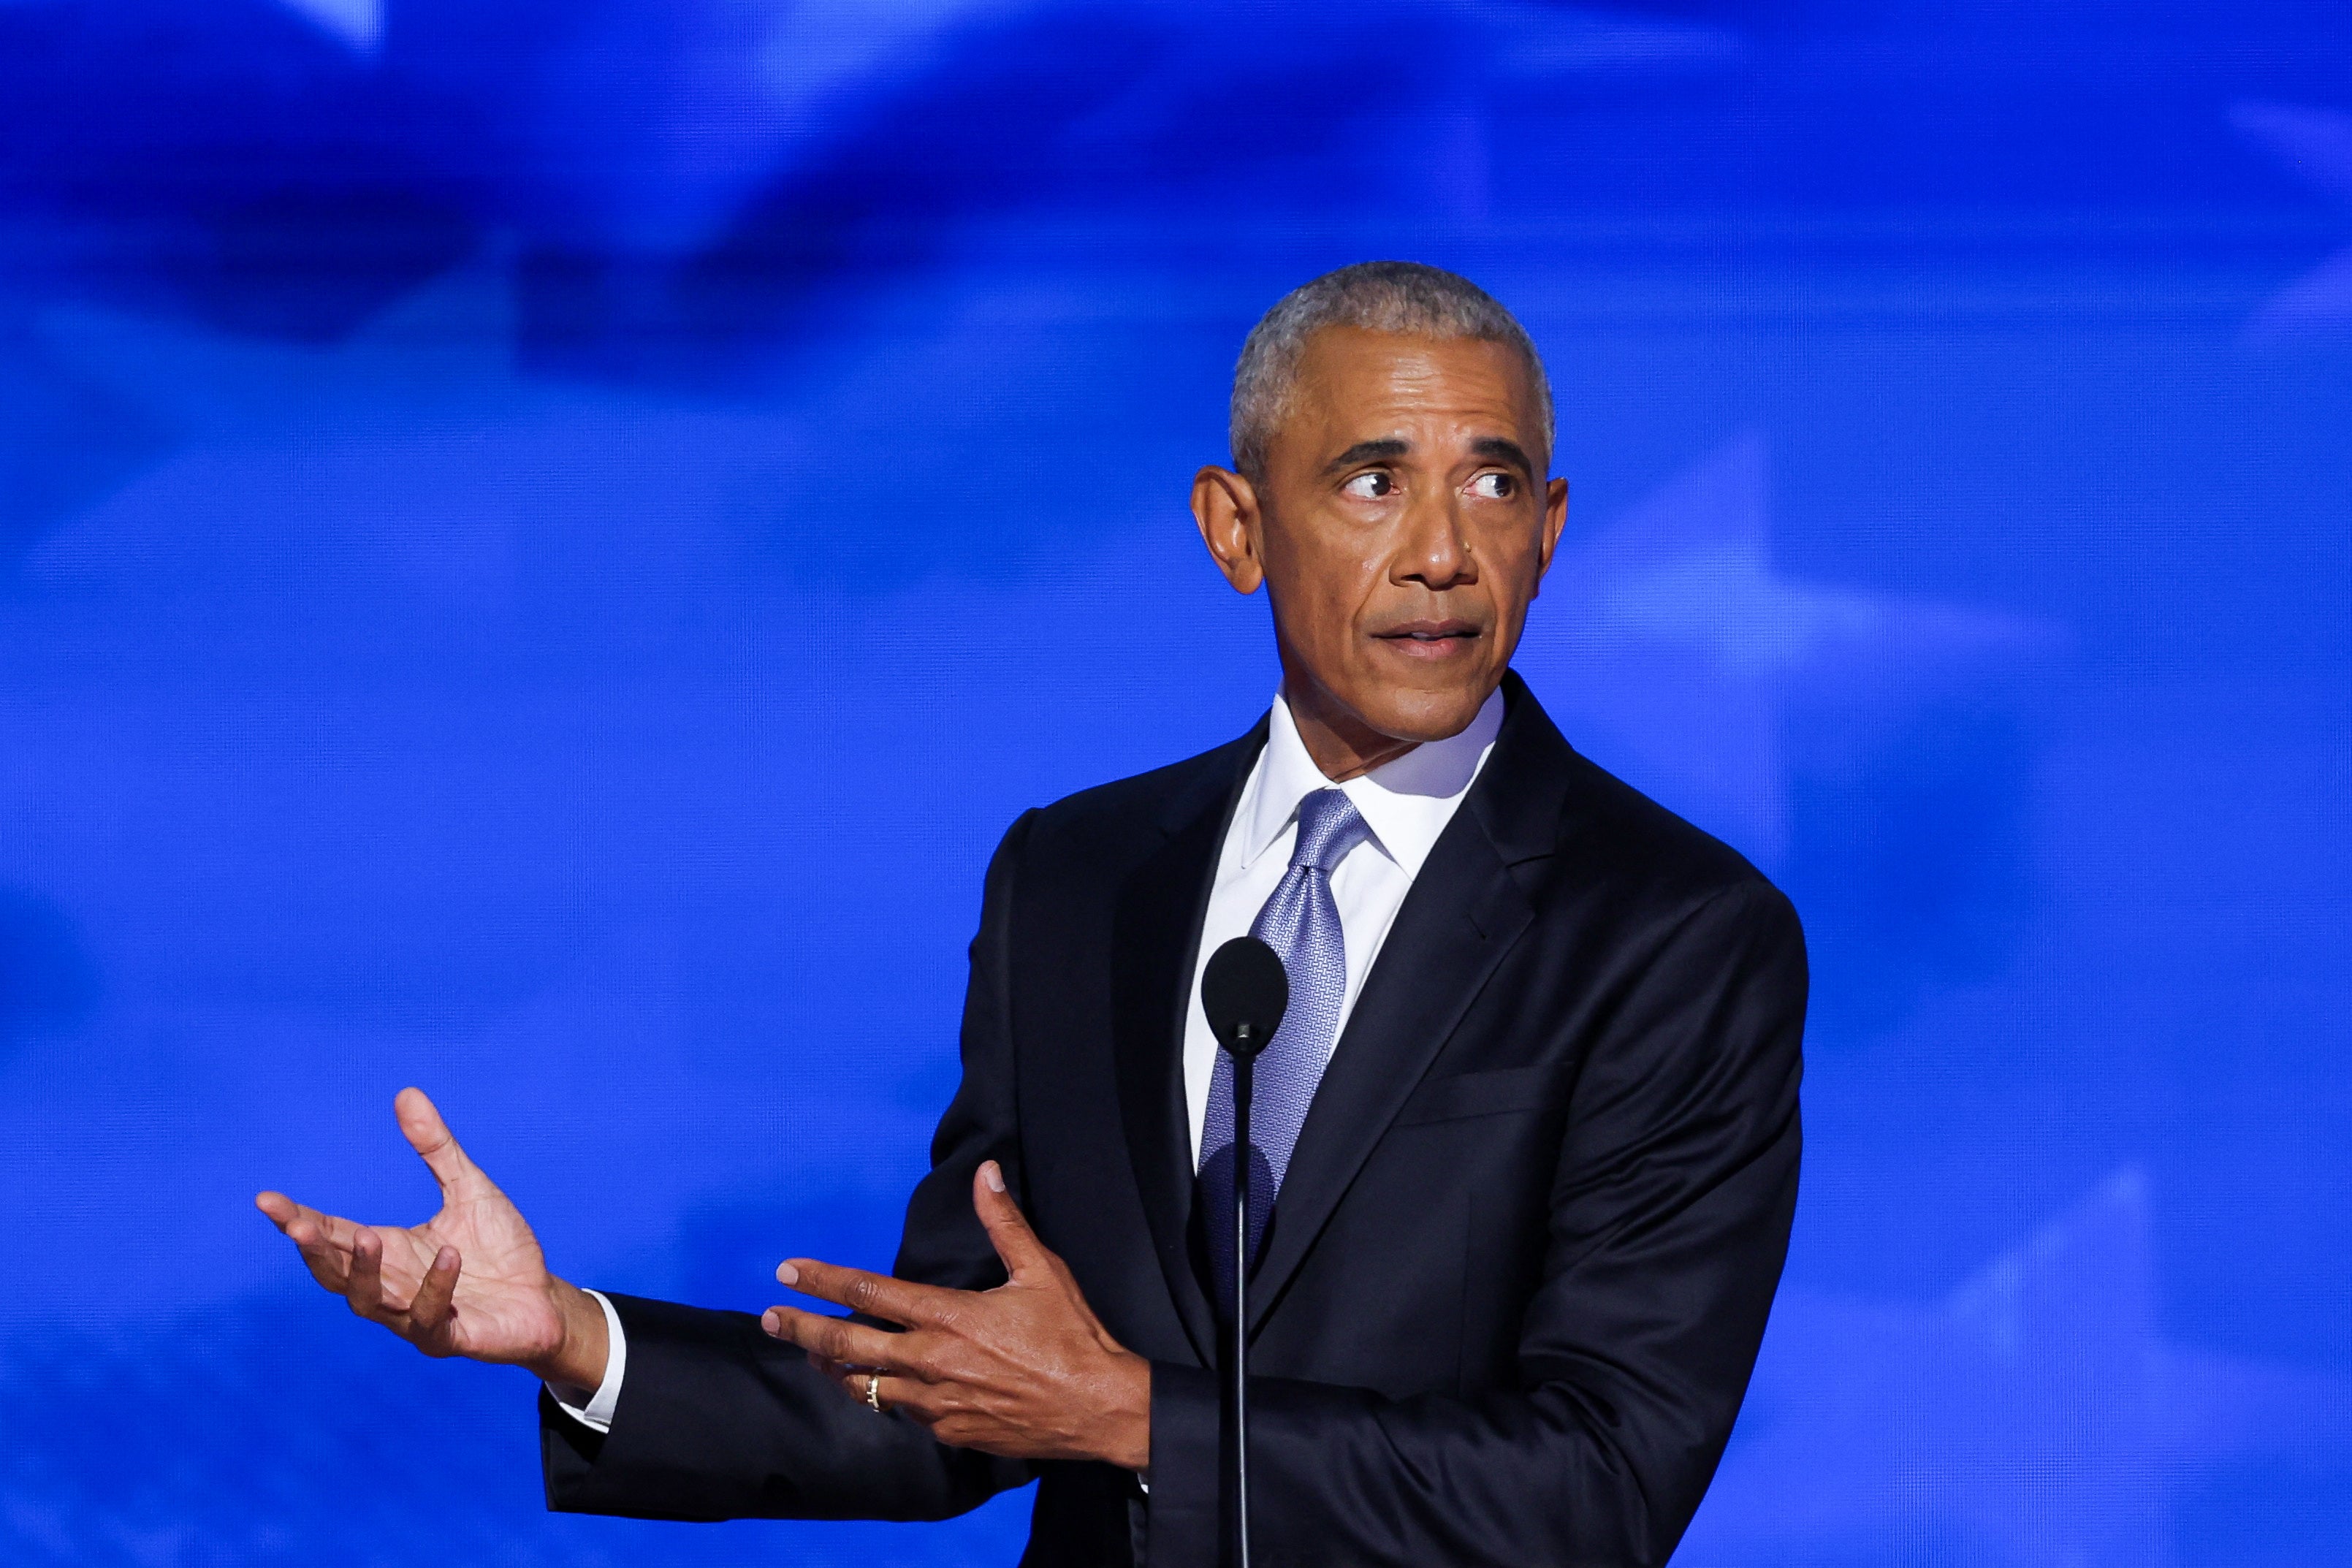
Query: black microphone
[{"x": 1245, "y": 992}]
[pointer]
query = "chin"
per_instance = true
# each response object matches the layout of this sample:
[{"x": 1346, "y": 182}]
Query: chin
[{"x": 1426, "y": 716}]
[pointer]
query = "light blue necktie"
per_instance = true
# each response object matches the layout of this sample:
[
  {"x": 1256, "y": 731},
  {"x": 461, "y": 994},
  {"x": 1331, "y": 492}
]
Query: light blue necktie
[{"x": 1301, "y": 922}]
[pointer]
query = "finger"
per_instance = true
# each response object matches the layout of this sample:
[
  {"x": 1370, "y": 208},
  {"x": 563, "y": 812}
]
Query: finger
[
  {"x": 303, "y": 1225},
  {"x": 849, "y": 1374},
  {"x": 432, "y": 1315},
  {"x": 900, "y": 1302},
  {"x": 889, "y": 1393},
  {"x": 837, "y": 1339},
  {"x": 420, "y": 1122},
  {"x": 837, "y": 1370},
  {"x": 323, "y": 1240},
  {"x": 1008, "y": 1229},
  {"x": 329, "y": 1261},
  {"x": 364, "y": 1289}
]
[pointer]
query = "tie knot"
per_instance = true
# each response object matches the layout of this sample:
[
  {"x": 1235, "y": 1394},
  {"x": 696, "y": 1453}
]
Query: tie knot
[{"x": 1329, "y": 826}]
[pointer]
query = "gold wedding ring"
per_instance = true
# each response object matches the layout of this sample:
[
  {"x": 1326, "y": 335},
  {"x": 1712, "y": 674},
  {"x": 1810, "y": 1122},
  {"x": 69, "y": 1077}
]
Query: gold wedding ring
[{"x": 874, "y": 1392}]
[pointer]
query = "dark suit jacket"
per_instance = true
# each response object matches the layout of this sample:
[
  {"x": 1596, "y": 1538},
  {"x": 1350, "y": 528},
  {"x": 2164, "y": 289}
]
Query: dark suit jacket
[{"x": 1519, "y": 1268}]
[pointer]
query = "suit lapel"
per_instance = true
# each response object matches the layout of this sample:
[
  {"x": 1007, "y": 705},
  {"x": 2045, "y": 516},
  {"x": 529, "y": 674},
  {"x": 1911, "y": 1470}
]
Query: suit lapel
[
  {"x": 1463, "y": 912},
  {"x": 1155, "y": 942}
]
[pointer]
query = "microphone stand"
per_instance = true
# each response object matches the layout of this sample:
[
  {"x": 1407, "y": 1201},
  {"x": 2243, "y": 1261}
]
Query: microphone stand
[
  {"x": 1245, "y": 1065},
  {"x": 1243, "y": 992}
]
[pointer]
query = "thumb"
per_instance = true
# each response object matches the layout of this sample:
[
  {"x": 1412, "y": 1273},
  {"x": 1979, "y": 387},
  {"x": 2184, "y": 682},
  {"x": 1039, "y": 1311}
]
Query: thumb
[
  {"x": 1008, "y": 1229},
  {"x": 420, "y": 1123}
]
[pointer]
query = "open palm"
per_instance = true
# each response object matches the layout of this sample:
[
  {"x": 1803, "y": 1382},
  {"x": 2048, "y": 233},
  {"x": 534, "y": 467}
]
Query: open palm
[{"x": 469, "y": 1281}]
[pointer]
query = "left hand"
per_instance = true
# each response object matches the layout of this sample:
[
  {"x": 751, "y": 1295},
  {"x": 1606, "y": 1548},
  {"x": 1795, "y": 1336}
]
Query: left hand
[{"x": 1025, "y": 1371}]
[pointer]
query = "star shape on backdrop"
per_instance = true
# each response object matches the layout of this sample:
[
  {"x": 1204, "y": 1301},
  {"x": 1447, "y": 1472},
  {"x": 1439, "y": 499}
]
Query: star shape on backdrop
[
  {"x": 2316, "y": 144},
  {"x": 2036, "y": 1417},
  {"x": 1673, "y": 639}
]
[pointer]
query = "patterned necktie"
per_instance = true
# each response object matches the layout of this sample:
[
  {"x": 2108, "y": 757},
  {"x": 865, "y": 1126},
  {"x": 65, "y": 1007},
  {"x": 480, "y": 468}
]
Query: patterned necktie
[{"x": 1301, "y": 922}]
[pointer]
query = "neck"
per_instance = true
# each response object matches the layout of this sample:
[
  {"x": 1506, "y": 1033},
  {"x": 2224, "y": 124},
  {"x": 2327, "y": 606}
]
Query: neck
[{"x": 1341, "y": 745}]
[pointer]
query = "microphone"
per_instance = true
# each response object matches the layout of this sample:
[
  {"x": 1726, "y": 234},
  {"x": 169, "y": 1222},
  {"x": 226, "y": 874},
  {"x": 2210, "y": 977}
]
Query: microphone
[{"x": 1243, "y": 991}]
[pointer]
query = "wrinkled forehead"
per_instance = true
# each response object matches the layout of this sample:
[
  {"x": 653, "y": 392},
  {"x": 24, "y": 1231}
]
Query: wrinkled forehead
[{"x": 1354, "y": 384}]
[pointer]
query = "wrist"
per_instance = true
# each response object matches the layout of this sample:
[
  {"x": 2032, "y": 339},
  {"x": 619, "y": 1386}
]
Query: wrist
[
  {"x": 1127, "y": 1434},
  {"x": 577, "y": 1362}
]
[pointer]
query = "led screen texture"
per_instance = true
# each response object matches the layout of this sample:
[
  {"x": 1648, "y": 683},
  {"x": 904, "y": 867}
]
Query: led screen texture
[{"x": 541, "y": 546}]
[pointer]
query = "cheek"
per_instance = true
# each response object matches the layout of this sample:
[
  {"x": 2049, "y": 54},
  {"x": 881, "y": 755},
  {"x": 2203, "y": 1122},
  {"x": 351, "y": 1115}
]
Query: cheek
[
  {"x": 1514, "y": 557},
  {"x": 1320, "y": 592}
]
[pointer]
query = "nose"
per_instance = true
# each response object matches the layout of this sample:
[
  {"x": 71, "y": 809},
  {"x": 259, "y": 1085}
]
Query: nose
[{"x": 1435, "y": 550}]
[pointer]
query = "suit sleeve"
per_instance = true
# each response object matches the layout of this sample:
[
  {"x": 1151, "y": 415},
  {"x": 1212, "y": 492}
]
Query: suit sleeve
[
  {"x": 716, "y": 1420},
  {"x": 1671, "y": 1205}
]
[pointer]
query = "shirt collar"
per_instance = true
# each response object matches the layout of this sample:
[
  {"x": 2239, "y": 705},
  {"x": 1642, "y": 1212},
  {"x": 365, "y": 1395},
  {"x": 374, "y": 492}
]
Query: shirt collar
[{"x": 1406, "y": 802}]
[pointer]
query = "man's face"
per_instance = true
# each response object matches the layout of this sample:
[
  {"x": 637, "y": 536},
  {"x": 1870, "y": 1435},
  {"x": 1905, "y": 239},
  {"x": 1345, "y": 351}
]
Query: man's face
[{"x": 1401, "y": 527}]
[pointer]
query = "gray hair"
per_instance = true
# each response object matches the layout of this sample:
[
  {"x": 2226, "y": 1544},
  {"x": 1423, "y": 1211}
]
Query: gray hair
[{"x": 1376, "y": 296}]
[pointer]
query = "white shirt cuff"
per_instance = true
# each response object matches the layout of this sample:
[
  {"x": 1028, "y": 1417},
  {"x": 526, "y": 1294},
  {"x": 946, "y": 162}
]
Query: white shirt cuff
[{"x": 597, "y": 1413}]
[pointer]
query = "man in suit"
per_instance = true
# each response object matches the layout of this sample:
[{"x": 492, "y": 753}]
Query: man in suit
[{"x": 1527, "y": 1136}]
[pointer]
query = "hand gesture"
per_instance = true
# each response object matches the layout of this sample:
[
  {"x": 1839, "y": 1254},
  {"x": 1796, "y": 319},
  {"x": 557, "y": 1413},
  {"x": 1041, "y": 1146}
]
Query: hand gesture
[
  {"x": 1025, "y": 1371},
  {"x": 470, "y": 1281}
]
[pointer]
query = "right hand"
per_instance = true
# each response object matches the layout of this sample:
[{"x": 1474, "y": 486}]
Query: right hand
[{"x": 470, "y": 1281}]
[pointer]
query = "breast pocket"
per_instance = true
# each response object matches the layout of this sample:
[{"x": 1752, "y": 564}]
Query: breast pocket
[{"x": 1461, "y": 1096}]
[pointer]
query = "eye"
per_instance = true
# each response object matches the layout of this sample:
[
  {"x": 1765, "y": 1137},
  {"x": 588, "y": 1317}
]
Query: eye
[
  {"x": 1373, "y": 484},
  {"x": 1492, "y": 486}
]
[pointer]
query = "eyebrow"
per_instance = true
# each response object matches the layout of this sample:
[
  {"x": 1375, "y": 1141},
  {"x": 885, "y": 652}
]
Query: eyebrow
[
  {"x": 1509, "y": 452},
  {"x": 1368, "y": 452},
  {"x": 1390, "y": 447}
]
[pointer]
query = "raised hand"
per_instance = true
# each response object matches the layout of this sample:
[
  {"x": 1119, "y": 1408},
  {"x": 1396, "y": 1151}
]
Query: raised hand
[
  {"x": 470, "y": 1281},
  {"x": 1025, "y": 1371}
]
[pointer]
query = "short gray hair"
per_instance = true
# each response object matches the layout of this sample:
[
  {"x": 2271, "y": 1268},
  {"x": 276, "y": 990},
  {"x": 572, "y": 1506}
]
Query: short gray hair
[{"x": 1404, "y": 297}]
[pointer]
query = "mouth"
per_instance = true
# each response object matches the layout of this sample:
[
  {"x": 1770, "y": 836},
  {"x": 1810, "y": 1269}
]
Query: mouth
[{"x": 1431, "y": 639}]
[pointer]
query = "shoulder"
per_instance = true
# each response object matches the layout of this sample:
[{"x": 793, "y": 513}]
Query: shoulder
[
  {"x": 1677, "y": 880},
  {"x": 1605, "y": 839},
  {"x": 1616, "y": 830},
  {"x": 1143, "y": 808}
]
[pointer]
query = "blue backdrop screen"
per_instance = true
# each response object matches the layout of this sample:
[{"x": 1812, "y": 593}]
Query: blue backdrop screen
[{"x": 541, "y": 544}]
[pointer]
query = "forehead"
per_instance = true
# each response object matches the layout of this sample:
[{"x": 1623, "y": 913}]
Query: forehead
[{"x": 1352, "y": 383}]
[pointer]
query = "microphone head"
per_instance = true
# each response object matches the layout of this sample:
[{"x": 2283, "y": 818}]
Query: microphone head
[{"x": 1244, "y": 993}]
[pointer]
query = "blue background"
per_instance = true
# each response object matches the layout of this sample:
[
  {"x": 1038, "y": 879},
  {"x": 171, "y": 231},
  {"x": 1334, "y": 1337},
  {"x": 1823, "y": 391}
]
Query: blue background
[{"x": 541, "y": 544}]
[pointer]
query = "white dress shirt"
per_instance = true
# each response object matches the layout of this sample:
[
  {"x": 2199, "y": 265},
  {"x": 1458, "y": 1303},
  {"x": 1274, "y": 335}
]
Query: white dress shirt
[{"x": 1406, "y": 802}]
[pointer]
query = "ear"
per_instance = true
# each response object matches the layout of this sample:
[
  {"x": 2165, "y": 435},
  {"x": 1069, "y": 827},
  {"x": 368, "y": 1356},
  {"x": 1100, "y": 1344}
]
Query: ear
[
  {"x": 1224, "y": 507},
  {"x": 1555, "y": 518}
]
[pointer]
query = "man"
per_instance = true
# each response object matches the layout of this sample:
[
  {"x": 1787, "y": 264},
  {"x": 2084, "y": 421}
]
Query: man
[{"x": 1529, "y": 1128}]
